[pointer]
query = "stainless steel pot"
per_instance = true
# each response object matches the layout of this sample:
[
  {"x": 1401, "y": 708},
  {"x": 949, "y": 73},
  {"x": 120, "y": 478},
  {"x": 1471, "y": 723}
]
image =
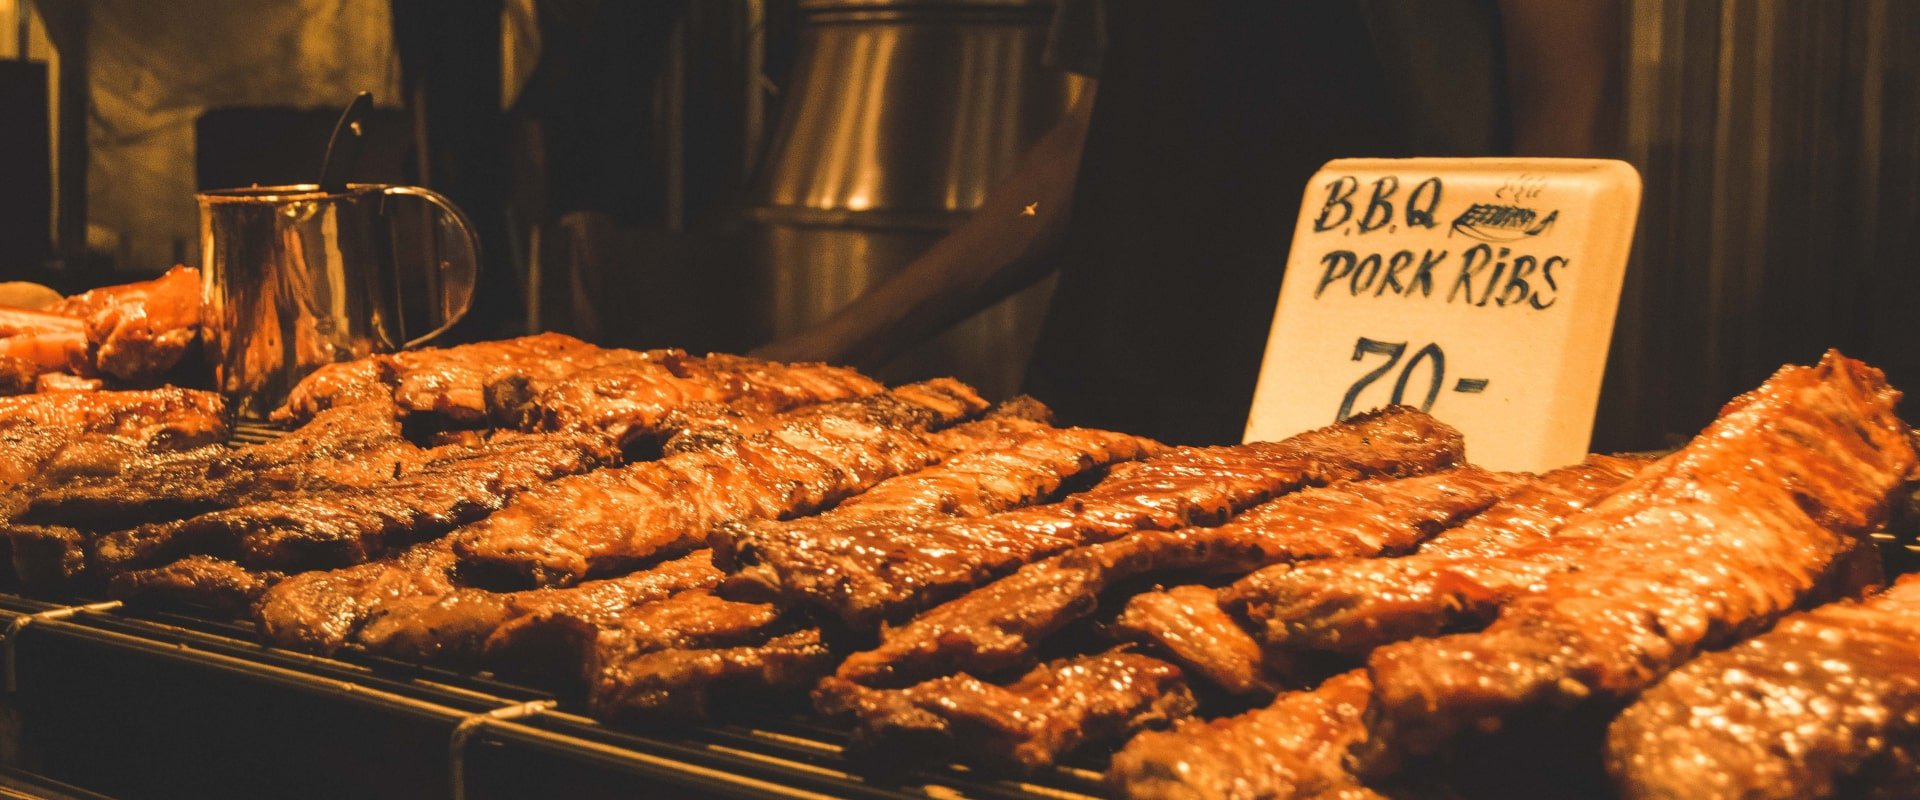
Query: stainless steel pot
[{"x": 901, "y": 115}]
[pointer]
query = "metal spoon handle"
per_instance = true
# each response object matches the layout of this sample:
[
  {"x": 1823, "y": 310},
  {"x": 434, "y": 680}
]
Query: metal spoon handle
[{"x": 343, "y": 147}]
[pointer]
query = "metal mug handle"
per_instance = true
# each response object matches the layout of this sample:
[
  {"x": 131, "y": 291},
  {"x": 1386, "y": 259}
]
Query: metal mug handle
[{"x": 456, "y": 282}]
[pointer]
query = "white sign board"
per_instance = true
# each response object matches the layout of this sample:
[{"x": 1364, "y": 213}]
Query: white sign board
[{"x": 1482, "y": 290}]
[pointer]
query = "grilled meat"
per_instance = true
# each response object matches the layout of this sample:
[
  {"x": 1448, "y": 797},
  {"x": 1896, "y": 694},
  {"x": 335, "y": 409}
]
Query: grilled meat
[
  {"x": 792, "y": 559},
  {"x": 348, "y": 446},
  {"x": 138, "y": 331},
  {"x": 680, "y": 685},
  {"x": 1457, "y": 579},
  {"x": 452, "y": 627},
  {"x": 339, "y": 527},
  {"x": 1000, "y": 625},
  {"x": 603, "y": 521},
  {"x": 1031, "y": 723},
  {"x": 1813, "y": 708},
  {"x": 204, "y": 584},
  {"x": 34, "y": 428},
  {"x": 17, "y": 376},
  {"x": 1188, "y": 625},
  {"x": 888, "y": 572},
  {"x": 17, "y": 321},
  {"x": 1293, "y": 748},
  {"x": 449, "y": 381},
  {"x": 1764, "y": 510},
  {"x": 318, "y": 612},
  {"x": 629, "y": 398}
]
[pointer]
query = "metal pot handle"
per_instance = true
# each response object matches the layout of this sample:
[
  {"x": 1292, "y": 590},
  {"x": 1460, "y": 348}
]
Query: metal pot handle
[{"x": 455, "y": 272}]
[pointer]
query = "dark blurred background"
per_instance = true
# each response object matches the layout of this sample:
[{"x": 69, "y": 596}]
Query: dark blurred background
[{"x": 713, "y": 174}]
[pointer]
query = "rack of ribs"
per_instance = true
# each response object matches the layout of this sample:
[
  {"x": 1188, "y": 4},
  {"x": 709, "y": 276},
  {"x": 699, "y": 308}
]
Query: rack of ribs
[
  {"x": 450, "y": 381},
  {"x": 1023, "y": 726},
  {"x": 602, "y": 522},
  {"x": 1456, "y": 580},
  {"x": 1823, "y": 705},
  {"x": 1187, "y": 624},
  {"x": 888, "y": 572},
  {"x": 36, "y": 427},
  {"x": 1765, "y": 510},
  {"x": 425, "y": 615},
  {"x": 454, "y": 627},
  {"x": 680, "y": 685},
  {"x": 204, "y": 584},
  {"x": 1294, "y": 747},
  {"x": 1000, "y": 626},
  {"x": 338, "y": 527}
]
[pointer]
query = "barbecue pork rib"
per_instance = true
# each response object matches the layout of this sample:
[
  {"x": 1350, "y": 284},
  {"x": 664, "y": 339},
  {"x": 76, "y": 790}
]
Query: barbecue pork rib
[
  {"x": 1187, "y": 624},
  {"x": 450, "y": 381},
  {"x": 1814, "y": 708},
  {"x": 1294, "y": 748},
  {"x": 628, "y": 399},
  {"x": 339, "y": 527},
  {"x": 680, "y": 685},
  {"x": 1458, "y": 579},
  {"x": 346, "y": 446},
  {"x": 322, "y": 612},
  {"x": 36, "y": 427},
  {"x": 769, "y": 556},
  {"x": 1001, "y": 625},
  {"x": 1764, "y": 510},
  {"x": 455, "y": 626},
  {"x": 601, "y": 522},
  {"x": 202, "y": 584},
  {"x": 1023, "y": 726},
  {"x": 888, "y": 572},
  {"x": 136, "y": 332}
]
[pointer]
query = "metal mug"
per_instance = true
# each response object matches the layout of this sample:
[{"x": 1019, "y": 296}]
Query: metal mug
[{"x": 297, "y": 278}]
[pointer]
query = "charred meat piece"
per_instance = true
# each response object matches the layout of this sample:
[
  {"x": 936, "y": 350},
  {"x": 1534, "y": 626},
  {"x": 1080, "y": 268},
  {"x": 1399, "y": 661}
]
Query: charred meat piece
[
  {"x": 319, "y": 611},
  {"x": 1294, "y": 747},
  {"x": 1187, "y": 624},
  {"x": 1812, "y": 708},
  {"x": 1001, "y": 625},
  {"x": 138, "y": 331},
  {"x": 1764, "y": 510},
  {"x": 202, "y": 584},
  {"x": 17, "y": 376},
  {"x": 348, "y": 526},
  {"x": 61, "y": 351},
  {"x": 348, "y": 446},
  {"x": 36, "y": 427},
  {"x": 1031, "y": 723},
  {"x": 681, "y": 685},
  {"x": 791, "y": 559},
  {"x": 1458, "y": 579},
  {"x": 629, "y": 399},
  {"x": 449, "y": 381},
  {"x": 452, "y": 627},
  {"x": 889, "y": 572},
  {"x": 603, "y": 521}
]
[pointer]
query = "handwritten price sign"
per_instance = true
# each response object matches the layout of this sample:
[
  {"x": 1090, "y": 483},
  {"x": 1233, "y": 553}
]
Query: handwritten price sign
[{"x": 1480, "y": 290}]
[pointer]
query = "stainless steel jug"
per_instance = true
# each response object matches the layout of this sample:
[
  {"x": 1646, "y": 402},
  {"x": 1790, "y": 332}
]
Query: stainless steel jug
[{"x": 296, "y": 278}]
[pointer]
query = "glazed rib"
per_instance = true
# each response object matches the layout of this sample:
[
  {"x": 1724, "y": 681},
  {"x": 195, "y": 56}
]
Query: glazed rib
[
  {"x": 681, "y": 685},
  {"x": 138, "y": 331},
  {"x": 36, "y": 427},
  {"x": 1187, "y": 624},
  {"x": 452, "y": 627},
  {"x": 349, "y": 446},
  {"x": 786, "y": 559},
  {"x": 888, "y": 572},
  {"x": 1293, "y": 748},
  {"x": 1457, "y": 579},
  {"x": 1764, "y": 510},
  {"x": 1031, "y": 723},
  {"x": 601, "y": 522},
  {"x": 450, "y": 381},
  {"x": 348, "y": 526},
  {"x": 319, "y": 611},
  {"x": 630, "y": 398},
  {"x": 1001, "y": 625},
  {"x": 203, "y": 584},
  {"x": 1813, "y": 708}
]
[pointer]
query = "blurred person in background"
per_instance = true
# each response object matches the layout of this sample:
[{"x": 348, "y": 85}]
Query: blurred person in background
[{"x": 1166, "y": 198}]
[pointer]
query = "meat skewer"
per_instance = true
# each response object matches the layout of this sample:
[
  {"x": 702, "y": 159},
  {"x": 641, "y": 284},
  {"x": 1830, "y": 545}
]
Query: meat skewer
[{"x": 1765, "y": 510}]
